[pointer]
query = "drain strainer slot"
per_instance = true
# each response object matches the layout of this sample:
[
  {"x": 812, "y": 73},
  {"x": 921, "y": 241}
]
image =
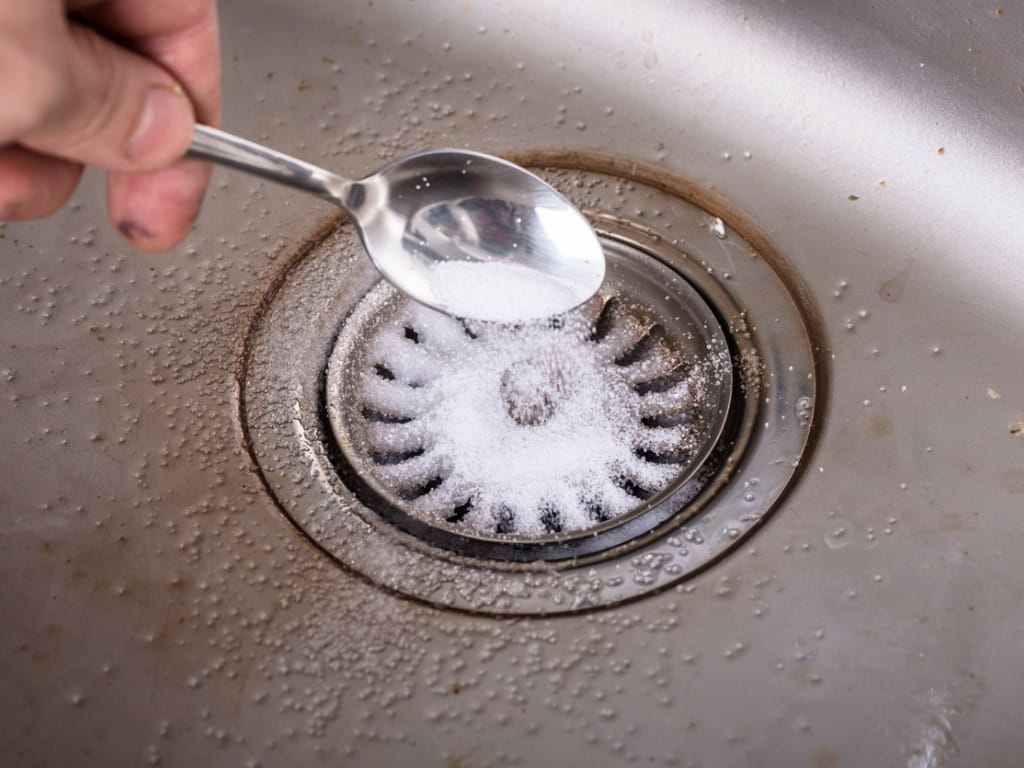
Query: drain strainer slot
[{"x": 537, "y": 468}]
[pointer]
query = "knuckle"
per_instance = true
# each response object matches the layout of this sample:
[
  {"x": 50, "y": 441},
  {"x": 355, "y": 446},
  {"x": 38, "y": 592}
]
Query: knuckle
[{"x": 34, "y": 92}]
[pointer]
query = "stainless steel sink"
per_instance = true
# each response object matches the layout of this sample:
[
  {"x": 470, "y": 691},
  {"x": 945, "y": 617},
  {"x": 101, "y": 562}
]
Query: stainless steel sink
[{"x": 158, "y": 605}]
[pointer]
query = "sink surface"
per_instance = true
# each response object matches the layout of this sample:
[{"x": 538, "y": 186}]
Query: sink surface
[{"x": 159, "y": 607}]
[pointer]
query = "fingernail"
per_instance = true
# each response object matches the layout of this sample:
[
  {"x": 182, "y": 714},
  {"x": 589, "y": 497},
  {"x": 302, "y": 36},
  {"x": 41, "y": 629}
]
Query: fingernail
[{"x": 160, "y": 124}]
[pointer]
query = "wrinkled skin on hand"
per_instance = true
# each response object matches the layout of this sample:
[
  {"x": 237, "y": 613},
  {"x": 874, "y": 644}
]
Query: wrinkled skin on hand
[{"x": 117, "y": 84}]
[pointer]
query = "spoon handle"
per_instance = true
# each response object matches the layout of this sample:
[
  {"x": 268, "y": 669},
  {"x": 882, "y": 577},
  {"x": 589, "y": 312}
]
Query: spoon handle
[{"x": 224, "y": 148}]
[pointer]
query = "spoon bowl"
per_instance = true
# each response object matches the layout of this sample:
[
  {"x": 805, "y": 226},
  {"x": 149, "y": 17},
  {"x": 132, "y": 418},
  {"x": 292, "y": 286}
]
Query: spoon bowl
[{"x": 463, "y": 232}]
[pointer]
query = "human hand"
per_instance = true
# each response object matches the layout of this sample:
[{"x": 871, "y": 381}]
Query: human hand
[{"x": 116, "y": 84}]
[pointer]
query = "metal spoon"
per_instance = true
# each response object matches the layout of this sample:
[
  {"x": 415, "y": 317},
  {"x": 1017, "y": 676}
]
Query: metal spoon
[{"x": 463, "y": 232}]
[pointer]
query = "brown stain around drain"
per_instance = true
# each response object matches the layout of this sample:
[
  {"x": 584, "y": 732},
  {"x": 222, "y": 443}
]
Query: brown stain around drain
[{"x": 1013, "y": 480}]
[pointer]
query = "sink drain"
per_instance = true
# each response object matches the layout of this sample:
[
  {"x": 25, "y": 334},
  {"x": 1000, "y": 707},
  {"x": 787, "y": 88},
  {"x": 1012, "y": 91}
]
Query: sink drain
[
  {"x": 537, "y": 468},
  {"x": 535, "y": 442}
]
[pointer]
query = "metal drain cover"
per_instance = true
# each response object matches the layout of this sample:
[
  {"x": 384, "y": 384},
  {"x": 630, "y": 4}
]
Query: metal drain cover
[
  {"x": 537, "y": 468},
  {"x": 532, "y": 442}
]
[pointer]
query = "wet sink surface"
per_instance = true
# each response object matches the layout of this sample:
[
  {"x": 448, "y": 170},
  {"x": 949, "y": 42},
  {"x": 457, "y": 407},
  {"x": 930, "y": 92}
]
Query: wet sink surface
[{"x": 159, "y": 607}]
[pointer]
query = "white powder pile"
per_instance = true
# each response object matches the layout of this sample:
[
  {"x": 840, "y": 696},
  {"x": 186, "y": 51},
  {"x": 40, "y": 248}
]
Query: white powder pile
[
  {"x": 502, "y": 292},
  {"x": 536, "y": 427}
]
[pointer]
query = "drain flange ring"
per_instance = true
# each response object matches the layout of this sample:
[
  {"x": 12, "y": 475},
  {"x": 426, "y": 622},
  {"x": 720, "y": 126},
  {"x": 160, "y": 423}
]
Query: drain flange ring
[{"x": 309, "y": 452}]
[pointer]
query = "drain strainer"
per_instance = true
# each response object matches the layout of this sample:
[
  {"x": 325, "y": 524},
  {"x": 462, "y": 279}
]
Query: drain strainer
[
  {"x": 544, "y": 467},
  {"x": 532, "y": 442}
]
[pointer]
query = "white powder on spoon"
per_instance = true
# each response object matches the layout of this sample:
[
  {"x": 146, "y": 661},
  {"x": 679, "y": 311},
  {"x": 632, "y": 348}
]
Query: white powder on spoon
[{"x": 500, "y": 292}]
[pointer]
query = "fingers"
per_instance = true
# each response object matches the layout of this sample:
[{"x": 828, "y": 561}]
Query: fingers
[
  {"x": 155, "y": 210},
  {"x": 34, "y": 185},
  {"x": 119, "y": 85}
]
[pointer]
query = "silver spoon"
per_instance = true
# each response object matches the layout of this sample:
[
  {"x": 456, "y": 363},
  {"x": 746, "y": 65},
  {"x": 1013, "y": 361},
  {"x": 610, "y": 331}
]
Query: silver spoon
[{"x": 463, "y": 232}]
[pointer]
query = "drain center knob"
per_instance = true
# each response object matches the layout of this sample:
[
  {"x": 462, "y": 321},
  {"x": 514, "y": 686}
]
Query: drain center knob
[{"x": 531, "y": 390}]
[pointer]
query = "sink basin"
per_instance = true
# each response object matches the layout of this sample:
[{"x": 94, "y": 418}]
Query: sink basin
[{"x": 160, "y": 607}]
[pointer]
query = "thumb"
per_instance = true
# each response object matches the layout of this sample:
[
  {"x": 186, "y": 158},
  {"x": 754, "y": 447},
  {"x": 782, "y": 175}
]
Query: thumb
[{"x": 116, "y": 109}]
